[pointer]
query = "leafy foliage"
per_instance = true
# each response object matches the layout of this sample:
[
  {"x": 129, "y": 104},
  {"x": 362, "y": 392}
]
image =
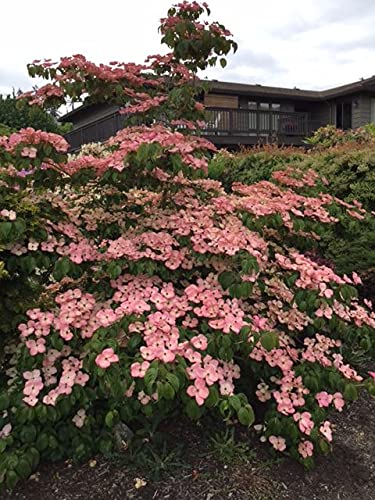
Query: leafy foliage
[
  {"x": 16, "y": 115},
  {"x": 330, "y": 136},
  {"x": 156, "y": 293},
  {"x": 348, "y": 170},
  {"x": 251, "y": 165}
]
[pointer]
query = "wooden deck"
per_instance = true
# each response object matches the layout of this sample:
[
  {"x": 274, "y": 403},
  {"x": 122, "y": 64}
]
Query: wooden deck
[{"x": 225, "y": 127}]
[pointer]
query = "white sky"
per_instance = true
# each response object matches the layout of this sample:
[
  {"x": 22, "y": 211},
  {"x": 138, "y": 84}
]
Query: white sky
[{"x": 304, "y": 43}]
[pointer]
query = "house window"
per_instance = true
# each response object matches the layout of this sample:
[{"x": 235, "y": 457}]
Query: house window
[
  {"x": 264, "y": 105},
  {"x": 275, "y": 106},
  {"x": 252, "y": 105},
  {"x": 344, "y": 115}
]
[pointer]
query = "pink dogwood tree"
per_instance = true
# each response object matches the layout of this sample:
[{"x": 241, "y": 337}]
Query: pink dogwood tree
[{"x": 157, "y": 291}]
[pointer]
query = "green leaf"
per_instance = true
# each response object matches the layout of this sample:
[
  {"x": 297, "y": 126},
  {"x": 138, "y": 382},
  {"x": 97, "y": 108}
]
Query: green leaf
[
  {"x": 269, "y": 341},
  {"x": 246, "y": 415},
  {"x": 324, "y": 446},
  {"x": 28, "y": 434},
  {"x": 61, "y": 268},
  {"x": 19, "y": 227},
  {"x": 33, "y": 456},
  {"x": 193, "y": 411},
  {"x": 213, "y": 397},
  {"x": 351, "y": 392},
  {"x": 223, "y": 62},
  {"x": 168, "y": 391},
  {"x": 227, "y": 278},
  {"x": 23, "y": 468},
  {"x": 150, "y": 377},
  {"x": 173, "y": 380},
  {"x": 371, "y": 388},
  {"x": 42, "y": 442},
  {"x": 11, "y": 479},
  {"x": 245, "y": 289},
  {"x": 4, "y": 401},
  {"x": 235, "y": 402},
  {"x": 5, "y": 230},
  {"x": 109, "y": 419}
]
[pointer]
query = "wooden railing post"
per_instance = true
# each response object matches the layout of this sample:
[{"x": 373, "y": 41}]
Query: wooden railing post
[
  {"x": 230, "y": 121},
  {"x": 270, "y": 124}
]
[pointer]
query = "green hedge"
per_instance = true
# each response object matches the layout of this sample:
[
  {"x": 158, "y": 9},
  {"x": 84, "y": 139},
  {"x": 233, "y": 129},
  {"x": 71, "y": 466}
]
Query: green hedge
[{"x": 252, "y": 165}]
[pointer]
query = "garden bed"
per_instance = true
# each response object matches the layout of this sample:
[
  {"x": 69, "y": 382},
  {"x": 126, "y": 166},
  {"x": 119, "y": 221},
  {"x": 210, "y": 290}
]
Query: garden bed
[{"x": 199, "y": 470}]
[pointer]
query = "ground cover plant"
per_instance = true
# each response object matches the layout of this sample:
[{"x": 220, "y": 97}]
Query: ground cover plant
[{"x": 145, "y": 290}]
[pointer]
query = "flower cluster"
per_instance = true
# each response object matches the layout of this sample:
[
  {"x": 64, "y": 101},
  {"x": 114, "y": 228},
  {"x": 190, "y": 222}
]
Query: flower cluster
[{"x": 154, "y": 290}]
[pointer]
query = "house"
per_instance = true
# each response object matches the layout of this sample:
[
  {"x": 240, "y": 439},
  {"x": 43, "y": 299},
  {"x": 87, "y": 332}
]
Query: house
[{"x": 248, "y": 114}]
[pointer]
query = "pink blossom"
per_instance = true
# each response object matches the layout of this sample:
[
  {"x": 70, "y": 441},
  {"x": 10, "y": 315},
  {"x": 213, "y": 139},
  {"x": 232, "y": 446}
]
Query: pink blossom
[
  {"x": 324, "y": 399},
  {"x": 139, "y": 369},
  {"x": 338, "y": 401},
  {"x": 5, "y": 431},
  {"x": 277, "y": 442},
  {"x": 199, "y": 342},
  {"x": 106, "y": 358},
  {"x": 306, "y": 448},
  {"x": 305, "y": 422},
  {"x": 326, "y": 430}
]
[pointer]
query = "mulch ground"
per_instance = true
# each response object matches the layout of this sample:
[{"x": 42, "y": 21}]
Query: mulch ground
[{"x": 199, "y": 473}]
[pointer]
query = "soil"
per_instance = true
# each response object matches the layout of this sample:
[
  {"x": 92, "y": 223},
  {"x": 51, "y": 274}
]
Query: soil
[{"x": 201, "y": 472}]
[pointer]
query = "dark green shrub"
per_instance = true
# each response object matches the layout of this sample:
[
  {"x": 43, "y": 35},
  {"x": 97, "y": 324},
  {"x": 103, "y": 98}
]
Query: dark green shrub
[{"x": 252, "y": 165}]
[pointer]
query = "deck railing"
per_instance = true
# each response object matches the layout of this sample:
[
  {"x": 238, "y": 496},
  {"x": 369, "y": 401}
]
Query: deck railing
[
  {"x": 235, "y": 122},
  {"x": 98, "y": 131},
  {"x": 219, "y": 122}
]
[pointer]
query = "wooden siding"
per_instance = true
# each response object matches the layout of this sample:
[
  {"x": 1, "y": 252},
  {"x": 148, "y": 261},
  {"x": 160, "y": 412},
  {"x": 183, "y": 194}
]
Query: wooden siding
[
  {"x": 361, "y": 113},
  {"x": 321, "y": 115},
  {"x": 221, "y": 101}
]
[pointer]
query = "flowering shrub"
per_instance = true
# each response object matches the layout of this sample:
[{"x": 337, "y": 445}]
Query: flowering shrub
[
  {"x": 252, "y": 165},
  {"x": 330, "y": 136},
  {"x": 159, "y": 292},
  {"x": 348, "y": 174}
]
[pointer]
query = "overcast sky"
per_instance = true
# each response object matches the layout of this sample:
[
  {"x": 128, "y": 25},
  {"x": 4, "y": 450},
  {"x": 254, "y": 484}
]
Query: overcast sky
[{"x": 309, "y": 44}]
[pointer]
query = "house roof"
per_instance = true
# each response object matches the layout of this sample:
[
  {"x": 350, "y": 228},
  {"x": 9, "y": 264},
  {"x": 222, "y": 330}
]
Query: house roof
[
  {"x": 261, "y": 90},
  {"x": 87, "y": 109},
  {"x": 295, "y": 93}
]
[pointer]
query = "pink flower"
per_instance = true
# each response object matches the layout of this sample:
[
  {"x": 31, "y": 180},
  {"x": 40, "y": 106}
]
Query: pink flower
[
  {"x": 29, "y": 152},
  {"x": 326, "y": 430},
  {"x": 129, "y": 392},
  {"x": 81, "y": 378},
  {"x": 305, "y": 423},
  {"x": 324, "y": 399},
  {"x": 144, "y": 398},
  {"x": 226, "y": 388},
  {"x": 372, "y": 374},
  {"x": 306, "y": 448},
  {"x": 33, "y": 387},
  {"x": 106, "y": 358},
  {"x": 35, "y": 374},
  {"x": 79, "y": 418},
  {"x": 5, "y": 431},
  {"x": 199, "y": 342},
  {"x": 199, "y": 391},
  {"x": 139, "y": 369},
  {"x": 30, "y": 400},
  {"x": 36, "y": 346},
  {"x": 106, "y": 317},
  {"x": 338, "y": 401},
  {"x": 277, "y": 442}
]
